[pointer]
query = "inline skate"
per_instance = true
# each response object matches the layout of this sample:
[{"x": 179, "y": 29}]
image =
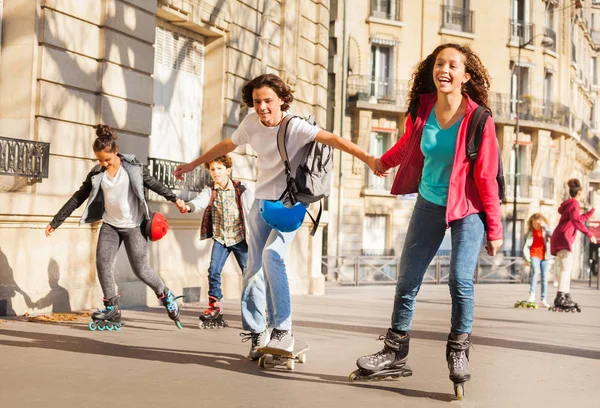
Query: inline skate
[
  {"x": 108, "y": 318},
  {"x": 389, "y": 362},
  {"x": 457, "y": 357},
  {"x": 212, "y": 318},
  {"x": 169, "y": 301},
  {"x": 564, "y": 303}
]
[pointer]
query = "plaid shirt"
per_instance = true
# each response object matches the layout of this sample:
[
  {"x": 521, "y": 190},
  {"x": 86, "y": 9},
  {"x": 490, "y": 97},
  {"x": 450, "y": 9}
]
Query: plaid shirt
[{"x": 228, "y": 226}]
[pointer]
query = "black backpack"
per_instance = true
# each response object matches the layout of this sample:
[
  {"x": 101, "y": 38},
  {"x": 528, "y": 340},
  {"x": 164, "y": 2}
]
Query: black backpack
[
  {"x": 474, "y": 135},
  {"x": 312, "y": 180}
]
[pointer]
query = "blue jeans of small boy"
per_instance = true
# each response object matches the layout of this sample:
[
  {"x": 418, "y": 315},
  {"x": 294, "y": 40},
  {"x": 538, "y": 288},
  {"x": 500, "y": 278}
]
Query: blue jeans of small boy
[
  {"x": 538, "y": 267},
  {"x": 218, "y": 257},
  {"x": 265, "y": 284},
  {"x": 426, "y": 231}
]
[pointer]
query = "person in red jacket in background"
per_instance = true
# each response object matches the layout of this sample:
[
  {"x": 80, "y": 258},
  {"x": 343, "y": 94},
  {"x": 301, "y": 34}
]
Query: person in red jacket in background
[
  {"x": 447, "y": 87},
  {"x": 561, "y": 242}
]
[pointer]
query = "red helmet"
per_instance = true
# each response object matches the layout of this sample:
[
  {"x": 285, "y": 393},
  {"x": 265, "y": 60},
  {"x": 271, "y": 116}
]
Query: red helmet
[{"x": 157, "y": 227}]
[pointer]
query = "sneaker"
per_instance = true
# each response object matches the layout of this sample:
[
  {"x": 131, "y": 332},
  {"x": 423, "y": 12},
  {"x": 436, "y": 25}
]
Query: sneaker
[
  {"x": 258, "y": 340},
  {"x": 544, "y": 303},
  {"x": 282, "y": 339},
  {"x": 531, "y": 298}
]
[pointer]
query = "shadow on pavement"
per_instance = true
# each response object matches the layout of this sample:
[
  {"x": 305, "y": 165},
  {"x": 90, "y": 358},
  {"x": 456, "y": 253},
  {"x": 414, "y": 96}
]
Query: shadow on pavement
[{"x": 225, "y": 361}]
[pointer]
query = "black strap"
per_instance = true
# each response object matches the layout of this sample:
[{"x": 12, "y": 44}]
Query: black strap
[
  {"x": 475, "y": 132},
  {"x": 281, "y": 138}
]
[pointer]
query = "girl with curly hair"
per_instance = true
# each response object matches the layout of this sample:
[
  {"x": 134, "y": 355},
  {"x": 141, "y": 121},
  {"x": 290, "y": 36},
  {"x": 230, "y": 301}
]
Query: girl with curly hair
[
  {"x": 265, "y": 283},
  {"x": 447, "y": 87}
]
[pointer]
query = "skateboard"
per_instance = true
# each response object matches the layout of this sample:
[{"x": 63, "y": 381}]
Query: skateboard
[
  {"x": 526, "y": 304},
  {"x": 273, "y": 357}
]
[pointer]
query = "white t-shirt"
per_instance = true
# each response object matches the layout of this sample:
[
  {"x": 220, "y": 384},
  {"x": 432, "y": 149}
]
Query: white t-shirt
[
  {"x": 121, "y": 207},
  {"x": 271, "y": 180}
]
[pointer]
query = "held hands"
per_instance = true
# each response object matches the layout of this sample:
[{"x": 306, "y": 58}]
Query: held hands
[
  {"x": 49, "y": 230},
  {"x": 181, "y": 169},
  {"x": 180, "y": 204},
  {"x": 377, "y": 167},
  {"x": 593, "y": 240},
  {"x": 492, "y": 246}
]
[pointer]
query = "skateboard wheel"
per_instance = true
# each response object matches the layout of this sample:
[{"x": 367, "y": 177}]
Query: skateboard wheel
[
  {"x": 302, "y": 358},
  {"x": 290, "y": 364},
  {"x": 261, "y": 362}
]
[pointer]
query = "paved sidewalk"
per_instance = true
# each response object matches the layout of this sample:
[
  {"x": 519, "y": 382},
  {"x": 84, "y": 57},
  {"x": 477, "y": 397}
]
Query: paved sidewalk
[{"x": 522, "y": 358}]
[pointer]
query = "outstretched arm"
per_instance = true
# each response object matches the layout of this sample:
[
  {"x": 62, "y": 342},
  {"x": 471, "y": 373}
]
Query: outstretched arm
[
  {"x": 347, "y": 146},
  {"x": 218, "y": 150}
]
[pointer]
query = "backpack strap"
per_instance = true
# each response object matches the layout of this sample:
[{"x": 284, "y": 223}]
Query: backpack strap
[
  {"x": 281, "y": 138},
  {"x": 475, "y": 132}
]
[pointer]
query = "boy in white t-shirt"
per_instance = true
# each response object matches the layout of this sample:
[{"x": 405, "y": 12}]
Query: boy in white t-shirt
[{"x": 265, "y": 283}]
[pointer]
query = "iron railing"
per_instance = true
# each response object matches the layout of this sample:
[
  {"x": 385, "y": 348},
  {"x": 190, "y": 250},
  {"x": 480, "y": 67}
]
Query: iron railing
[
  {"x": 24, "y": 158},
  {"x": 520, "y": 31},
  {"x": 523, "y": 186},
  {"x": 377, "y": 90},
  {"x": 550, "y": 33},
  {"x": 504, "y": 106},
  {"x": 357, "y": 270},
  {"x": 458, "y": 19},
  {"x": 163, "y": 170},
  {"x": 387, "y": 9},
  {"x": 547, "y": 188}
]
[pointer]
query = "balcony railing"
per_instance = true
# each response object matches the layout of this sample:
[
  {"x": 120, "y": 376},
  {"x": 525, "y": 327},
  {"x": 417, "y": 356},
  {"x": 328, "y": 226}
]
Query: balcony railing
[
  {"x": 387, "y": 9},
  {"x": 547, "y": 188},
  {"x": 457, "y": 19},
  {"x": 550, "y": 33},
  {"x": 521, "y": 32},
  {"x": 523, "y": 186},
  {"x": 377, "y": 90},
  {"x": 163, "y": 171},
  {"x": 24, "y": 158},
  {"x": 505, "y": 107}
]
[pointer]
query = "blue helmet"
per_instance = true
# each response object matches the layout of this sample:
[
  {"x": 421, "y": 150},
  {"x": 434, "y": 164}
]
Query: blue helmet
[{"x": 280, "y": 217}]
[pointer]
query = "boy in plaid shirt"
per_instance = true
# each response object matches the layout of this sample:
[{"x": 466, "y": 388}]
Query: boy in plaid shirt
[{"x": 225, "y": 204}]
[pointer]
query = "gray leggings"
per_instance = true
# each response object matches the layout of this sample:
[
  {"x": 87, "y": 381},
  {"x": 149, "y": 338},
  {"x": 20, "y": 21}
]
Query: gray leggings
[{"x": 136, "y": 246}]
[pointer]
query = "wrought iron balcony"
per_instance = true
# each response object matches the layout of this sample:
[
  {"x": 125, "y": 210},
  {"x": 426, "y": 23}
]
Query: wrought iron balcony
[
  {"x": 505, "y": 107},
  {"x": 547, "y": 188},
  {"x": 550, "y": 33},
  {"x": 163, "y": 171},
  {"x": 377, "y": 90},
  {"x": 458, "y": 19},
  {"x": 521, "y": 32},
  {"x": 24, "y": 158},
  {"x": 523, "y": 186},
  {"x": 387, "y": 9}
]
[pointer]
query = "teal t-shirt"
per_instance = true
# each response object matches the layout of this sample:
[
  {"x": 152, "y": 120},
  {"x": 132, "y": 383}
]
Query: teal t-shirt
[{"x": 438, "y": 146}]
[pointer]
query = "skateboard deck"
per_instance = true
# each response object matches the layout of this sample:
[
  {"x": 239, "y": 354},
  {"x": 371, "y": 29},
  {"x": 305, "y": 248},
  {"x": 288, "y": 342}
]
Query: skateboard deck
[{"x": 273, "y": 357}]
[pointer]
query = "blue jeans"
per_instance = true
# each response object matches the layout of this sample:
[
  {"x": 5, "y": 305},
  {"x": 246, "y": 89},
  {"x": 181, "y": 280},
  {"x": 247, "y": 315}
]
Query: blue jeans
[
  {"x": 265, "y": 284},
  {"x": 218, "y": 257},
  {"x": 425, "y": 234},
  {"x": 539, "y": 266}
]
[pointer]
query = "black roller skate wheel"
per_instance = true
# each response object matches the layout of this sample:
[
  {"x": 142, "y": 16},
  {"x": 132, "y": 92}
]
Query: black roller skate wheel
[
  {"x": 578, "y": 310},
  {"x": 459, "y": 391}
]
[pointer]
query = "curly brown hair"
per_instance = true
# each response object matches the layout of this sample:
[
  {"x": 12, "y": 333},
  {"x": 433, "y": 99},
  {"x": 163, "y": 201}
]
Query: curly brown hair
[
  {"x": 283, "y": 91},
  {"x": 535, "y": 217},
  {"x": 477, "y": 87},
  {"x": 106, "y": 139},
  {"x": 224, "y": 160}
]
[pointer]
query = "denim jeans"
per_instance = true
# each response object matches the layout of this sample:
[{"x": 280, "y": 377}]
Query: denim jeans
[
  {"x": 218, "y": 257},
  {"x": 265, "y": 284},
  {"x": 539, "y": 266},
  {"x": 425, "y": 234}
]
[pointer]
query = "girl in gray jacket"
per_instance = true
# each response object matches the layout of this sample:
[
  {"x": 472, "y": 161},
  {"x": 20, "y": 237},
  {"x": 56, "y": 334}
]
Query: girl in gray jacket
[{"x": 114, "y": 190}]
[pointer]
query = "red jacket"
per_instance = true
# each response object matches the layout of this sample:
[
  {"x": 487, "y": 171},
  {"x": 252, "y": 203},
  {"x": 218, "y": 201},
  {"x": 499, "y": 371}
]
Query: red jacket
[
  {"x": 570, "y": 221},
  {"x": 466, "y": 195}
]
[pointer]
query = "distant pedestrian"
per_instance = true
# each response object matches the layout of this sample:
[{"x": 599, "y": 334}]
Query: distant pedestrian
[
  {"x": 447, "y": 87},
  {"x": 563, "y": 237},
  {"x": 536, "y": 252},
  {"x": 225, "y": 205},
  {"x": 114, "y": 190}
]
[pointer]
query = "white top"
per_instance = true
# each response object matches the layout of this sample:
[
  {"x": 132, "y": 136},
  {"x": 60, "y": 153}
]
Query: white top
[
  {"x": 121, "y": 207},
  {"x": 271, "y": 181}
]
